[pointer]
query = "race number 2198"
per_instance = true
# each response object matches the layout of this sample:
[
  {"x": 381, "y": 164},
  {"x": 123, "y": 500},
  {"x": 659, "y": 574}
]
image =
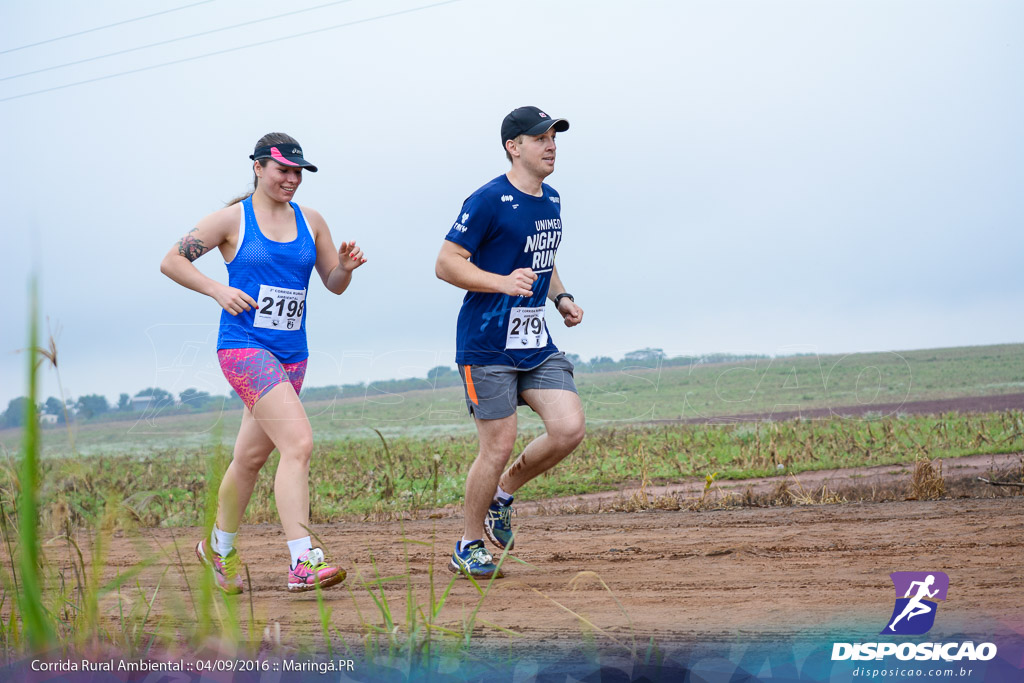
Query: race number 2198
[{"x": 279, "y": 308}]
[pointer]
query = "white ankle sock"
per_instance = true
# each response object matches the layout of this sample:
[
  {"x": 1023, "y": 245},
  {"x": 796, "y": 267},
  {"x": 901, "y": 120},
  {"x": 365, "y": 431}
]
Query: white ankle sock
[
  {"x": 221, "y": 541},
  {"x": 501, "y": 495},
  {"x": 463, "y": 543},
  {"x": 297, "y": 547}
]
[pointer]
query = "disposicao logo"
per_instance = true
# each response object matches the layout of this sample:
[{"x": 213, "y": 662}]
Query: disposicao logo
[{"x": 917, "y": 596}]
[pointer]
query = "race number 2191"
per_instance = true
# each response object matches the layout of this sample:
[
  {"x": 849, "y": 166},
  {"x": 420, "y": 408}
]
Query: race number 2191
[
  {"x": 526, "y": 328},
  {"x": 279, "y": 308}
]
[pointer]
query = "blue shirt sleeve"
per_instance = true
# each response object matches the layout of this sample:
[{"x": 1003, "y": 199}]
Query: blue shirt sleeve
[{"x": 474, "y": 223}]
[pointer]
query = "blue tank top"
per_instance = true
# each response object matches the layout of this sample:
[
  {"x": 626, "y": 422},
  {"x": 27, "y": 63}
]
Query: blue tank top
[{"x": 276, "y": 275}]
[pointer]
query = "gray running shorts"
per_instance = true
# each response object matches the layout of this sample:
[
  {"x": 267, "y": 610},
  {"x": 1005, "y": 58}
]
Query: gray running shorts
[{"x": 492, "y": 391}]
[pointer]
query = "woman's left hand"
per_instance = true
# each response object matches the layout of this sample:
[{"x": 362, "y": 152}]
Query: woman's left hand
[{"x": 350, "y": 256}]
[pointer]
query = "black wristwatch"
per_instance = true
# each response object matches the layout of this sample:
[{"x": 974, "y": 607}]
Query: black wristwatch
[{"x": 563, "y": 295}]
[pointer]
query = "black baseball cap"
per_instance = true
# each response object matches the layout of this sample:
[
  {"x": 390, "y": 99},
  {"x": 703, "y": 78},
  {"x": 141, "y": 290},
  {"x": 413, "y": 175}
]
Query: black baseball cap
[
  {"x": 289, "y": 155},
  {"x": 529, "y": 121}
]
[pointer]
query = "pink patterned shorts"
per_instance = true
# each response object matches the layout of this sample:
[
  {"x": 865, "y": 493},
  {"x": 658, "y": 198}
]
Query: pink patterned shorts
[{"x": 254, "y": 372}]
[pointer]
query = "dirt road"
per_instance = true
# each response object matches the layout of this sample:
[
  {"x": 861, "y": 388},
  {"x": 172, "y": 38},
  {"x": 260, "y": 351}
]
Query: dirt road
[{"x": 672, "y": 575}]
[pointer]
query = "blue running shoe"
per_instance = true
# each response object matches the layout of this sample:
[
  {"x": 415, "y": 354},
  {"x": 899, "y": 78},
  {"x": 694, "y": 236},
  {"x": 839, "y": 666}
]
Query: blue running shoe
[
  {"x": 498, "y": 524},
  {"x": 475, "y": 561}
]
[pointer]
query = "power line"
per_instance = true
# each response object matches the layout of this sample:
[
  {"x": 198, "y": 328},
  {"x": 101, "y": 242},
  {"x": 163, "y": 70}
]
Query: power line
[
  {"x": 231, "y": 49},
  {"x": 173, "y": 40},
  {"x": 100, "y": 28}
]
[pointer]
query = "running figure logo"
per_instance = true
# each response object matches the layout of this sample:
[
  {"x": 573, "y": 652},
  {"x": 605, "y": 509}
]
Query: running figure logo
[{"x": 914, "y": 612}]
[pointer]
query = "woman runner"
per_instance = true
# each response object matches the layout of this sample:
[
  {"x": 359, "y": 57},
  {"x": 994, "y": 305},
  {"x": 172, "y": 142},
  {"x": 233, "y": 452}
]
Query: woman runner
[{"x": 270, "y": 246}]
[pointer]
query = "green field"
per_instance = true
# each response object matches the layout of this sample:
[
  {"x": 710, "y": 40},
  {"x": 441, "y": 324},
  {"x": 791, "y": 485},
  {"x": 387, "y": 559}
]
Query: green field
[
  {"x": 621, "y": 397},
  {"x": 363, "y": 478},
  {"x": 157, "y": 470}
]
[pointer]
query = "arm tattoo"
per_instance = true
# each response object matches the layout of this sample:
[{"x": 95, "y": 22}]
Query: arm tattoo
[{"x": 192, "y": 247}]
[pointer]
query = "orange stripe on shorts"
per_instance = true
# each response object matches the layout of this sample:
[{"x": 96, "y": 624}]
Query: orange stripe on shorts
[{"x": 470, "y": 389}]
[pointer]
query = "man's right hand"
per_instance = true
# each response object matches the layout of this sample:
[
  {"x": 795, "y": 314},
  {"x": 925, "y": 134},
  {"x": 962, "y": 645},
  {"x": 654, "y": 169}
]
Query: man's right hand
[{"x": 519, "y": 282}]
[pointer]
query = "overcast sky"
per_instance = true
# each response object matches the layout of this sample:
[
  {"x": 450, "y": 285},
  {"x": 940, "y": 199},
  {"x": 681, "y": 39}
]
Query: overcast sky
[{"x": 766, "y": 176}]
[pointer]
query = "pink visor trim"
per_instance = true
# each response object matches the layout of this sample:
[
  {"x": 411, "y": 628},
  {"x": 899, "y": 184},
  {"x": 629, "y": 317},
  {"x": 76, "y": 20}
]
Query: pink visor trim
[{"x": 276, "y": 155}]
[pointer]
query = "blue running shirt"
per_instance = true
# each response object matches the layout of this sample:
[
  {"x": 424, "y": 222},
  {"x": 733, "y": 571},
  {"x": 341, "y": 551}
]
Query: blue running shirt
[
  {"x": 276, "y": 276},
  {"x": 504, "y": 229}
]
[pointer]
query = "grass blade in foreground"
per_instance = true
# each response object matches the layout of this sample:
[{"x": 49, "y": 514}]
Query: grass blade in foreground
[{"x": 38, "y": 629}]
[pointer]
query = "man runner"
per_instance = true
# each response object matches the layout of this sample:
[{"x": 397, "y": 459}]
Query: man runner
[{"x": 502, "y": 250}]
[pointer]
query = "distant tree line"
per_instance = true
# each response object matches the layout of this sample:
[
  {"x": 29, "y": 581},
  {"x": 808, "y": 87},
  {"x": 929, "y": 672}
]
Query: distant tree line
[
  {"x": 437, "y": 378},
  {"x": 153, "y": 400},
  {"x": 444, "y": 376},
  {"x": 96, "y": 407},
  {"x": 654, "y": 358}
]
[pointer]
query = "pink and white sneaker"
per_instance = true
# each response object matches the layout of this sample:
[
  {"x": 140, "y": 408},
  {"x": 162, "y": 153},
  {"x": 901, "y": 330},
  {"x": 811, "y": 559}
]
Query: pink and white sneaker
[
  {"x": 311, "y": 569},
  {"x": 224, "y": 567}
]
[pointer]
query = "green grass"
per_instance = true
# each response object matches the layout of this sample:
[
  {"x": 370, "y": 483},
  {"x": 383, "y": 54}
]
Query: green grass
[
  {"x": 623, "y": 396},
  {"x": 36, "y": 623},
  {"x": 382, "y": 477},
  {"x": 397, "y": 454}
]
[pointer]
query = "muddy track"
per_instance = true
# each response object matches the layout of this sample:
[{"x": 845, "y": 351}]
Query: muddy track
[{"x": 675, "y": 576}]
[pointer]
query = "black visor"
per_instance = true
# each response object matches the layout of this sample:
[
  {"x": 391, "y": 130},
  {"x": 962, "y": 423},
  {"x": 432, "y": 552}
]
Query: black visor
[{"x": 287, "y": 155}]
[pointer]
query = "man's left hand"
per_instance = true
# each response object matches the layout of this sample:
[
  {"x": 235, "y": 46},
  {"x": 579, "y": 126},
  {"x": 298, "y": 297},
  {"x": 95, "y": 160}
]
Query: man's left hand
[{"x": 571, "y": 313}]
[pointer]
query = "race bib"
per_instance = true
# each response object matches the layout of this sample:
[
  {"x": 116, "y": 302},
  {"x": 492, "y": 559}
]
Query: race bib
[
  {"x": 279, "y": 308},
  {"x": 526, "y": 329}
]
